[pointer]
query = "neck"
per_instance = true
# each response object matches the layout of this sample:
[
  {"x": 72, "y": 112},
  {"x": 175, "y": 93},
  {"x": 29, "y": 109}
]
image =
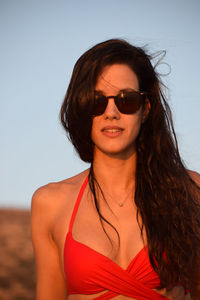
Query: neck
[{"x": 115, "y": 173}]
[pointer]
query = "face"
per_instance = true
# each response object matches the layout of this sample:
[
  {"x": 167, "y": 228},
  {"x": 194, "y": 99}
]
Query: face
[{"x": 115, "y": 133}]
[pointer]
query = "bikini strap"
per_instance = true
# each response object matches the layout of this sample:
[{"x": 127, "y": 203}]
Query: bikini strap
[{"x": 80, "y": 194}]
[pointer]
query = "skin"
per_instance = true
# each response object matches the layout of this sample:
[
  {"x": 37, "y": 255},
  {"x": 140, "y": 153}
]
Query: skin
[{"x": 114, "y": 166}]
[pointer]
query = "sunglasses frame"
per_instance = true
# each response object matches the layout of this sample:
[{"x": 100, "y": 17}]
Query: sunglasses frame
[{"x": 119, "y": 101}]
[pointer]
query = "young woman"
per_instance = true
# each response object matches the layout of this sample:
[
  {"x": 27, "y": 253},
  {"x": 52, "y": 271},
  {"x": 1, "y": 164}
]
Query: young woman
[{"x": 127, "y": 228}]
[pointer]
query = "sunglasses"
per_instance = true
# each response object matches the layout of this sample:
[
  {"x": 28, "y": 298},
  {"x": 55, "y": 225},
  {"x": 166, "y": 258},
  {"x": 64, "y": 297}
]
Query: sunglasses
[{"x": 127, "y": 102}]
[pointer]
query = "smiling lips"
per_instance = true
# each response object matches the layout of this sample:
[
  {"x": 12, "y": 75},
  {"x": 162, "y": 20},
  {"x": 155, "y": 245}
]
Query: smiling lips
[{"x": 112, "y": 131}]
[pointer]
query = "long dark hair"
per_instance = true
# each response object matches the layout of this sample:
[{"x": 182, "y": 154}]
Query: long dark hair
[{"x": 166, "y": 197}]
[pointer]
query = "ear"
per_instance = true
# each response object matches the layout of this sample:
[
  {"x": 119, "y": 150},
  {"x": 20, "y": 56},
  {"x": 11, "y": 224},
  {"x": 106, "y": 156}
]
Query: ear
[{"x": 146, "y": 110}]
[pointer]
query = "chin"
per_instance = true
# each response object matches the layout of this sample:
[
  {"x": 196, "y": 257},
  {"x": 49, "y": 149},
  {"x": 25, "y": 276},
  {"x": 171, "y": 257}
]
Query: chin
[{"x": 117, "y": 152}]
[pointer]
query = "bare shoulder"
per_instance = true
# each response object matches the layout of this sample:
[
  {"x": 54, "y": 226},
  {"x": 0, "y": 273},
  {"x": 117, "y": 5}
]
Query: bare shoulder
[
  {"x": 52, "y": 205},
  {"x": 49, "y": 199},
  {"x": 195, "y": 176}
]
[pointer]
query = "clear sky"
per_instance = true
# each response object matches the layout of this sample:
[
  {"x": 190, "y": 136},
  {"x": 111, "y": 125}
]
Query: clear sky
[{"x": 40, "y": 42}]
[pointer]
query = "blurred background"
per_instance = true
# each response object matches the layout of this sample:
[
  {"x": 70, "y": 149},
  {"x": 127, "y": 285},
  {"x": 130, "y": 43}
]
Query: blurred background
[{"x": 40, "y": 43}]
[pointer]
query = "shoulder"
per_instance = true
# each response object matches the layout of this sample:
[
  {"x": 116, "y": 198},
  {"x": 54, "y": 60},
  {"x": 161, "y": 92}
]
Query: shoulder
[
  {"x": 48, "y": 200},
  {"x": 52, "y": 205},
  {"x": 195, "y": 176}
]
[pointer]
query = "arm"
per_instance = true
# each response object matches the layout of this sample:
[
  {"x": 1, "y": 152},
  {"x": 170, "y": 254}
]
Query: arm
[
  {"x": 195, "y": 177},
  {"x": 51, "y": 284}
]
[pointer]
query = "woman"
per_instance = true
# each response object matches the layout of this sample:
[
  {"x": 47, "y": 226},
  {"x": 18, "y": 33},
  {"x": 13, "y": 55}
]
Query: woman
[{"x": 127, "y": 228}]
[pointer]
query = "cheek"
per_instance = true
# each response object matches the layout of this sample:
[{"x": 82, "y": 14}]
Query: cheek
[
  {"x": 135, "y": 126},
  {"x": 94, "y": 129},
  {"x": 135, "y": 120}
]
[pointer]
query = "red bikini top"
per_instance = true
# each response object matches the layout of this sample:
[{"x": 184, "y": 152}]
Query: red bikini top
[{"x": 89, "y": 272}]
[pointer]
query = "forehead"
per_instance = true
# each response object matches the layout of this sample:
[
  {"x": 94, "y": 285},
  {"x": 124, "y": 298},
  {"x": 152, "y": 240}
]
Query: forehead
[{"x": 117, "y": 76}]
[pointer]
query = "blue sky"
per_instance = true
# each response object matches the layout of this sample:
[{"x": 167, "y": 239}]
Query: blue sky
[{"x": 40, "y": 42}]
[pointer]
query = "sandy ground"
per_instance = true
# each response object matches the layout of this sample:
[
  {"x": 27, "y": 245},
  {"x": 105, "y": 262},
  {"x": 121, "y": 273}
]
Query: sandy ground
[{"x": 17, "y": 267}]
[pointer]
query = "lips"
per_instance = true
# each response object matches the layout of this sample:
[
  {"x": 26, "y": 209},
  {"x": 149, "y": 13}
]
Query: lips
[{"x": 112, "y": 131}]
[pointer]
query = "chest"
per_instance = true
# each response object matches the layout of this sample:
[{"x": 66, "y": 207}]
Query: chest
[{"x": 117, "y": 236}]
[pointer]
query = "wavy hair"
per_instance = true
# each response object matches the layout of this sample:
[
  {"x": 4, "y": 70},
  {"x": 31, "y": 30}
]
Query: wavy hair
[{"x": 166, "y": 197}]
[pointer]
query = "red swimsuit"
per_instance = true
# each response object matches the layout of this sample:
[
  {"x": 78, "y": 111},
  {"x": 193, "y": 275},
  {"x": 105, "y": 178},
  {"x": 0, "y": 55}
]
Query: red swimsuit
[{"x": 89, "y": 272}]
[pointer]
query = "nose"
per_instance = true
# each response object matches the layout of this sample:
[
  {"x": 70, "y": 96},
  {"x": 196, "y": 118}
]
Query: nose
[{"x": 111, "y": 111}]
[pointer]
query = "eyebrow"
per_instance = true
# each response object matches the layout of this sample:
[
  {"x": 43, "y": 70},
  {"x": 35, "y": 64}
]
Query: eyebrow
[{"x": 120, "y": 91}]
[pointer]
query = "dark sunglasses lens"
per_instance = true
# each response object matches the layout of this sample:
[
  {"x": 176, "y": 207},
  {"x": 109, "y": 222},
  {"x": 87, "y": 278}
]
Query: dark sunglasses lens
[
  {"x": 126, "y": 102},
  {"x": 129, "y": 103},
  {"x": 100, "y": 103}
]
